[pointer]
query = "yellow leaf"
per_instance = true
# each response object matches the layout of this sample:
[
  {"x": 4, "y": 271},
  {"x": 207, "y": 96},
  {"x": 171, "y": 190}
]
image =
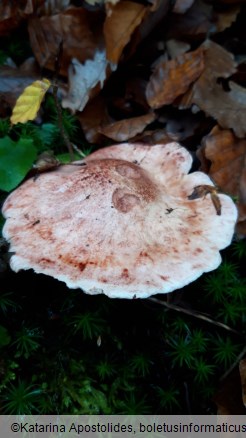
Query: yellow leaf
[{"x": 28, "y": 103}]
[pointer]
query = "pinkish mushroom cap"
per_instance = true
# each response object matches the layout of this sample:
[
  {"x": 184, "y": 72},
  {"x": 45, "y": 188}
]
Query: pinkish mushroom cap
[{"x": 120, "y": 223}]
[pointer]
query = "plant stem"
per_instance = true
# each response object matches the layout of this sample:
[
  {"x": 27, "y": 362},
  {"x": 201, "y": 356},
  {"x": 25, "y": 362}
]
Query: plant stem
[{"x": 59, "y": 117}]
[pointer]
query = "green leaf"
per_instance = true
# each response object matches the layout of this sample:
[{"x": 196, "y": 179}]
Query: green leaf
[
  {"x": 4, "y": 336},
  {"x": 15, "y": 161}
]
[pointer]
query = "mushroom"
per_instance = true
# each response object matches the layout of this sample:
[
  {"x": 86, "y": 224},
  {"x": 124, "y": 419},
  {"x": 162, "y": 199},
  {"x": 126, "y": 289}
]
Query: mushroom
[{"x": 120, "y": 222}]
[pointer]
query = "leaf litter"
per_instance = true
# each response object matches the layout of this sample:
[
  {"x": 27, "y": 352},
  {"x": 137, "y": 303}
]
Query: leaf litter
[
  {"x": 150, "y": 72},
  {"x": 118, "y": 66}
]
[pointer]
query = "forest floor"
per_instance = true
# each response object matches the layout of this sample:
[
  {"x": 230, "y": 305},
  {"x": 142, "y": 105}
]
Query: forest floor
[{"x": 147, "y": 72}]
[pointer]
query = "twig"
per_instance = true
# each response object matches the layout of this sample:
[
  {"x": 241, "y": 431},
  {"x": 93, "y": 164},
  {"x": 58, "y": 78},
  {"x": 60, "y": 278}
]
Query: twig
[
  {"x": 194, "y": 314},
  {"x": 57, "y": 103},
  {"x": 61, "y": 127},
  {"x": 79, "y": 152}
]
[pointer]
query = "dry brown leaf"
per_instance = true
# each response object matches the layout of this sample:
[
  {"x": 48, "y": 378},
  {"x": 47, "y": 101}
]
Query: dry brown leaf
[
  {"x": 242, "y": 370},
  {"x": 200, "y": 19},
  {"x": 74, "y": 26},
  {"x": 51, "y": 7},
  {"x": 228, "y": 397},
  {"x": 158, "y": 136},
  {"x": 227, "y": 107},
  {"x": 181, "y": 125},
  {"x": 176, "y": 48},
  {"x": 128, "y": 128},
  {"x": 227, "y": 154},
  {"x": 135, "y": 91},
  {"x": 196, "y": 21},
  {"x": 172, "y": 78},
  {"x": 121, "y": 21},
  {"x": 92, "y": 119},
  {"x": 154, "y": 16},
  {"x": 12, "y": 13},
  {"x": 226, "y": 18},
  {"x": 182, "y": 6},
  {"x": 155, "y": 4}
]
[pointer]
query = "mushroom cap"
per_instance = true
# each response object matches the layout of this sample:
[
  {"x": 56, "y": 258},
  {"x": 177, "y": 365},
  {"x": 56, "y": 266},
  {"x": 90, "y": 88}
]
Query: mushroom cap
[{"x": 119, "y": 222}]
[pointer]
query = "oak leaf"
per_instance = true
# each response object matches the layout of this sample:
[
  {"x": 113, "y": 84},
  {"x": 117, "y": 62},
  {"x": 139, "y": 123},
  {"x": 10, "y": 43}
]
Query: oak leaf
[
  {"x": 84, "y": 78},
  {"x": 172, "y": 78},
  {"x": 227, "y": 107}
]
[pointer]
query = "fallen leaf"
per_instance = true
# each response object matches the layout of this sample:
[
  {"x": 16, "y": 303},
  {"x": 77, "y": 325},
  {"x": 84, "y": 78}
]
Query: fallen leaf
[
  {"x": 51, "y": 7},
  {"x": 12, "y": 83},
  {"x": 227, "y": 107},
  {"x": 198, "y": 20},
  {"x": 12, "y": 13},
  {"x": 227, "y": 155},
  {"x": 176, "y": 48},
  {"x": 132, "y": 101},
  {"x": 201, "y": 18},
  {"x": 153, "y": 17},
  {"x": 228, "y": 397},
  {"x": 121, "y": 21},
  {"x": 182, "y": 6},
  {"x": 83, "y": 78},
  {"x": 242, "y": 370},
  {"x": 92, "y": 118},
  {"x": 28, "y": 103},
  {"x": 226, "y": 18},
  {"x": 76, "y": 27},
  {"x": 181, "y": 125},
  {"x": 128, "y": 128},
  {"x": 172, "y": 78},
  {"x": 158, "y": 136},
  {"x": 155, "y": 4}
]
